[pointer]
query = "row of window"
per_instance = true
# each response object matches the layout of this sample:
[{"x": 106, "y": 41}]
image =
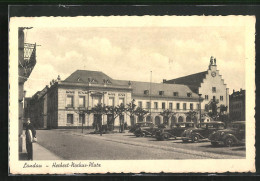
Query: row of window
[
  {"x": 70, "y": 119},
  {"x": 214, "y": 97},
  {"x": 96, "y": 100},
  {"x": 175, "y": 94},
  {"x": 163, "y": 105}
]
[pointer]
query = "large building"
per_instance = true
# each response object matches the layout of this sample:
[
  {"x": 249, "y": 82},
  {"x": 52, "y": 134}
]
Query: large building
[
  {"x": 84, "y": 89},
  {"x": 209, "y": 84},
  {"x": 237, "y": 105}
]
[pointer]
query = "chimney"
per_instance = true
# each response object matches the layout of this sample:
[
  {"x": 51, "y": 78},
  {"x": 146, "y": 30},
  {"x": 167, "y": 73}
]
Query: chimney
[
  {"x": 233, "y": 90},
  {"x": 164, "y": 80},
  {"x": 240, "y": 89}
]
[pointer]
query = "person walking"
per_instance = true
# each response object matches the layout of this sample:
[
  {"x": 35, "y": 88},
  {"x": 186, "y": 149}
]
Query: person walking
[{"x": 30, "y": 138}]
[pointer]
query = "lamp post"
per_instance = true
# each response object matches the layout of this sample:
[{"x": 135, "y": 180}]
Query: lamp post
[{"x": 200, "y": 106}]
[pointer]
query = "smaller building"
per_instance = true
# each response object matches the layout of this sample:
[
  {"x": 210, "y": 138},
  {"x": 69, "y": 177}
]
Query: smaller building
[
  {"x": 237, "y": 105},
  {"x": 36, "y": 108}
]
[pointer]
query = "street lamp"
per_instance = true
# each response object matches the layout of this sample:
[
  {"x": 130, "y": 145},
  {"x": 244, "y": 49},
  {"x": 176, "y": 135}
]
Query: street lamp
[{"x": 200, "y": 106}]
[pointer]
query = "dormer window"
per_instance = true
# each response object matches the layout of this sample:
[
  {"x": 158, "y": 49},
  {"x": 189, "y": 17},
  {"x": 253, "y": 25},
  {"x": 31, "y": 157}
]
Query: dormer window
[
  {"x": 79, "y": 79},
  {"x": 94, "y": 81},
  {"x": 161, "y": 93},
  {"x": 189, "y": 94},
  {"x": 146, "y": 92},
  {"x": 109, "y": 82},
  {"x": 175, "y": 94}
]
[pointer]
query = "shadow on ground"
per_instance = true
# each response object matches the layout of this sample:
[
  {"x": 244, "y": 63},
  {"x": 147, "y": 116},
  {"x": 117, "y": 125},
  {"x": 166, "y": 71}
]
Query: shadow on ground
[{"x": 23, "y": 156}]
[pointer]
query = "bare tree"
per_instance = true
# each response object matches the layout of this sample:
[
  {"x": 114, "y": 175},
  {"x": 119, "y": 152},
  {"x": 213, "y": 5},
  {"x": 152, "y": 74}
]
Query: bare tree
[{"x": 167, "y": 113}]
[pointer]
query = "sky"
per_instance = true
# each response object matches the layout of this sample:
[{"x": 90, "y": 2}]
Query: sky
[{"x": 131, "y": 53}]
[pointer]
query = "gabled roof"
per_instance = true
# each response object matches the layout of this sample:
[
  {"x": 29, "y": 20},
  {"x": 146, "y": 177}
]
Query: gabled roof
[
  {"x": 168, "y": 89},
  {"x": 193, "y": 80}
]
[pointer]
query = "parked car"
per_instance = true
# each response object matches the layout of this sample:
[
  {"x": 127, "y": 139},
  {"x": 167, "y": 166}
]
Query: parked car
[
  {"x": 235, "y": 134},
  {"x": 137, "y": 125},
  {"x": 148, "y": 129},
  {"x": 173, "y": 132},
  {"x": 202, "y": 131}
]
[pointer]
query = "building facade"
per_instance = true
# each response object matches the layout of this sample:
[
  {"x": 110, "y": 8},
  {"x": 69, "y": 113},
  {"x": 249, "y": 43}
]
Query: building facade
[
  {"x": 84, "y": 89},
  {"x": 237, "y": 105},
  {"x": 209, "y": 84}
]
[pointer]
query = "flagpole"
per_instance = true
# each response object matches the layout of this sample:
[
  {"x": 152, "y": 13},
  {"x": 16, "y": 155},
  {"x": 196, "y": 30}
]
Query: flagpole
[{"x": 150, "y": 92}]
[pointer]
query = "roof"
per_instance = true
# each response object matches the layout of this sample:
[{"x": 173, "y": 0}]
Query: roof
[
  {"x": 138, "y": 88},
  {"x": 193, "y": 80},
  {"x": 87, "y": 76}
]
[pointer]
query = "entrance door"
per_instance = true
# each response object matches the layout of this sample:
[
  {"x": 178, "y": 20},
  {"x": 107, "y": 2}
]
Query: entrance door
[
  {"x": 132, "y": 120},
  {"x": 110, "y": 122},
  {"x": 97, "y": 121}
]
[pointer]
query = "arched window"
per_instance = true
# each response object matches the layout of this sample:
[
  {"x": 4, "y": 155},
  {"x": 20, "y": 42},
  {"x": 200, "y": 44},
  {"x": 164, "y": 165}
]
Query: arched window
[
  {"x": 148, "y": 119},
  {"x": 165, "y": 120},
  {"x": 180, "y": 119},
  {"x": 157, "y": 120}
]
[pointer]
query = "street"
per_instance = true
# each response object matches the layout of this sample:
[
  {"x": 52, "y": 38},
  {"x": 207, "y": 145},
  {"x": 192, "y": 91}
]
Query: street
[{"x": 73, "y": 145}]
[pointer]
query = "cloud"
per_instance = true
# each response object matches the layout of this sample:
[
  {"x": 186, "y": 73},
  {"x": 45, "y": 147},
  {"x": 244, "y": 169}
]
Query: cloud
[{"x": 131, "y": 53}]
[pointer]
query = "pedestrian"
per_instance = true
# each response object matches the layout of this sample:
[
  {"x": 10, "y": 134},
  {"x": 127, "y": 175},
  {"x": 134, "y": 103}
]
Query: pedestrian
[{"x": 30, "y": 138}]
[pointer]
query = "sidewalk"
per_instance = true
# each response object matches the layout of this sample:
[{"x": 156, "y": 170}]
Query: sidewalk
[{"x": 39, "y": 153}]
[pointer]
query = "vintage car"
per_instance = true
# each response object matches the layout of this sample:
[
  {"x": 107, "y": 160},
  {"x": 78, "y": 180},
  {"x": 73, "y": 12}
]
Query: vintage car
[
  {"x": 137, "y": 125},
  {"x": 175, "y": 131},
  {"x": 202, "y": 131},
  {"x": 148, "y": 129},
  {"x": 235, "y": 134}
]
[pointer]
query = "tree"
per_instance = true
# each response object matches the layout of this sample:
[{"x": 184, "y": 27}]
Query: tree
[
  {"x": 99, "y": 110},
  {"x": 140, "y": 113},
  {"x": 218, "y": 113},
  {"x": 167, "y": 113},
  {"x": 119, "y": 112},
  {"x": 192, "y": 114},
  {"x": 131, "y": 108}
]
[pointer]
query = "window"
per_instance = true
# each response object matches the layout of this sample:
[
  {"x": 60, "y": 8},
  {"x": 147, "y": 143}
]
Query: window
[
  {"x": 96, "y": 100},
  {"x": 198, "y": 106},
  {"x": 221, "y": 98},
  {"x": 81, "y": 101},
  {"x": 170, "y": 105},
  {"x": 175, "y": 94},
  {"x": 69, "y": 101},
  {"x": 155, "y": 105},
  {"x": 163, "y": 105},
  {"x": 146, "y": 92},
  {"x": 191, "y": 106},
  {"x": 121, "y": 101},
  {"x": 213, "y": 89},
  {"x": 111, "y": 101},
  {"x": 82, "y": 118},
  {"x": 206, "y": 97},
  {"x": 184, "y": 106},
  {"x": 70, "y": 118},
  {"x": 148, "y": 105},
  {"x": 189, "y": 94},
  {"x": 161, "y": 93},
  {"x": 178, "y": 105},
  {"x": 140, "y": 104}
]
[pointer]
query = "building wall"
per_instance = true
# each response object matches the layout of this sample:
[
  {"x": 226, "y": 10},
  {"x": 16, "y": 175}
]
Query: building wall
[
  {"x": 89, "y": 97},
  {"x": 237, "y": 106},
  {"x": 214, "y": 81}
]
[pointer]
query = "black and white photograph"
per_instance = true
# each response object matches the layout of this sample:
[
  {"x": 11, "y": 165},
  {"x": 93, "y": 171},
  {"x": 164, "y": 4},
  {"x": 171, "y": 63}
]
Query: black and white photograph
[{"x": 132, "y": 94}]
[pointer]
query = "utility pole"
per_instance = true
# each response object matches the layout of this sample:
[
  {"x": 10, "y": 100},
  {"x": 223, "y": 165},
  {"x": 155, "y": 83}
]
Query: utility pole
[{"x": 150, "y": 93}]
